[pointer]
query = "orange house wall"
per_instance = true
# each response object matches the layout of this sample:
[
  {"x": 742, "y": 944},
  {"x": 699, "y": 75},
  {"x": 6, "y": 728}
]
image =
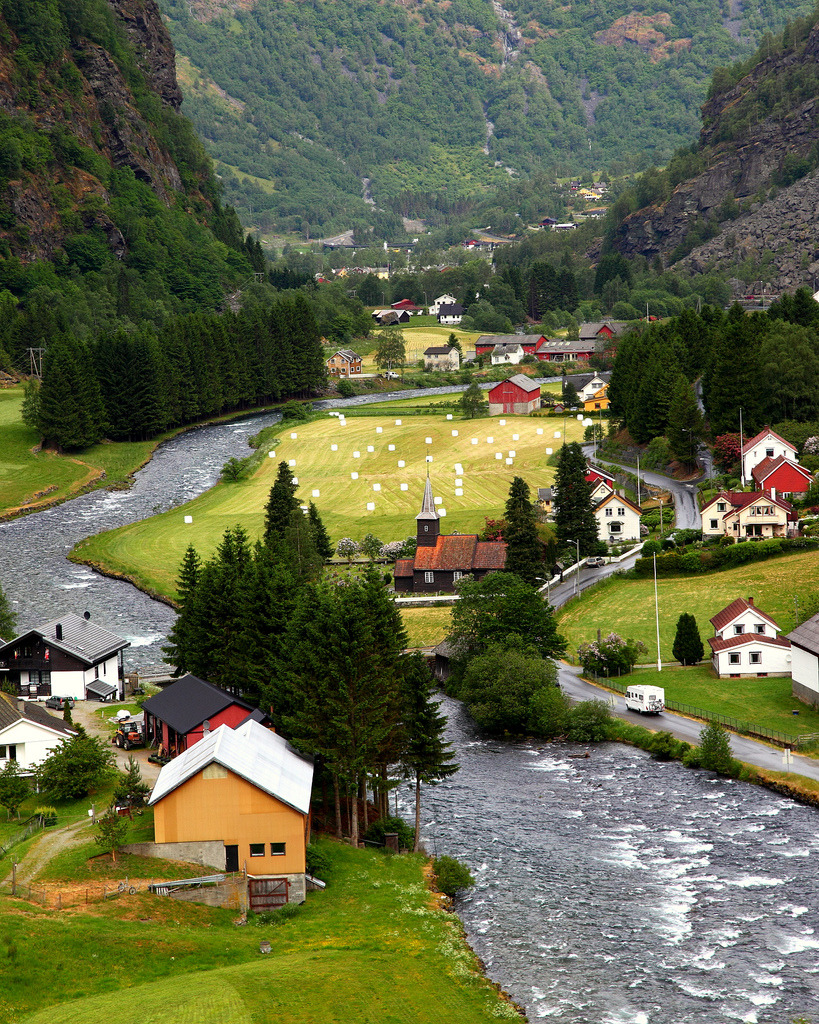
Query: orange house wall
[{"x": 232, "y": 811}]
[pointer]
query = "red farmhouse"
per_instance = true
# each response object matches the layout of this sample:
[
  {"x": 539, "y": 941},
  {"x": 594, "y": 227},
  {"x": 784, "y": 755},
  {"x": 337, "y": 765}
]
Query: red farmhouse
[
  {"x": 528, "y": 342},
  {"x": 186, "y": 710},
  {"x": 519, "y": 395},
  {"x": 781, "y": 476}
]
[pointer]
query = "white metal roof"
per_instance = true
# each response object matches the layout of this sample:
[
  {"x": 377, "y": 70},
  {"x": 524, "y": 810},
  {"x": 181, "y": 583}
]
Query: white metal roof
[{"x": 261, "y": 757}]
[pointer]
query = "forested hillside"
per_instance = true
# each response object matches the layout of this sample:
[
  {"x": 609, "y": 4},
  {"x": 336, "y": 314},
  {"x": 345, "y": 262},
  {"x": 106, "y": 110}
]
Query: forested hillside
[{"x": 316, "y": 110}]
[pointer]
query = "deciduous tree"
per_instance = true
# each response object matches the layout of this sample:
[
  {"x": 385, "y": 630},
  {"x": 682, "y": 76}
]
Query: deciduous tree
[
  {"x": 14, "y": 788},
  {"x": 473, "y": 402},
  {"x": 75, "y": 768}
]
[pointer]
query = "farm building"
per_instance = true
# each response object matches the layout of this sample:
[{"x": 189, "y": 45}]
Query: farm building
[
  {"x": 519, "y": 395},
  {"x": 528, "y": 342},
  {"x": 184, "y": 712},
  {"x": 70, "y": 657},
  {"x": 441, "y": 560},
  {"x": 782, "y": 476},
  {"x": 450, "y": 314},
  {"x": 238, "y": 801},
  {"x": 746, "y": 642}
]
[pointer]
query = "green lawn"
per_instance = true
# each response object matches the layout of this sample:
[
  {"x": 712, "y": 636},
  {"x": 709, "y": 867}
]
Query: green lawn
[
  {"x": 29, "y": 478},
  {"x": 627, "y": 606},
  {"x": 150, "y": 552},
  {"x": 426, "y": 627},
  {"x": 760, "y": 702},
  {"x": 368, "y": 948}
]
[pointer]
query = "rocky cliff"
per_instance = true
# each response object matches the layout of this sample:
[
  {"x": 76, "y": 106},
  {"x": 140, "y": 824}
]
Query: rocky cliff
[
  {"x": 74, "y": 105},
  {"x": 745, "y": 155}
]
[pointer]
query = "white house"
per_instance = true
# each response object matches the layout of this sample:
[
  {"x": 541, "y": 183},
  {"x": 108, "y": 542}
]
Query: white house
[
  {"x": 618, "y": 519},
  {"x": 805, "y": 660},
  {"x": 766, "y": 445},
  {"x": 441, "y": 357},
  {"x": 70, "y": 657},
  {"x": 746, "y": 642},
  {"x": 507, "y": 354},
  {"x": 450, "y": 314},
  {"x": 587, "y": 385},
  {"x": 442, "y": 300},
  {"x": 28, "y": 733}
]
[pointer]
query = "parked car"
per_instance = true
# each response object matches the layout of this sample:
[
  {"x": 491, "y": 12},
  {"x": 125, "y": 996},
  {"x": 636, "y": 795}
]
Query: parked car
[
  {"x": 59, "y": 703},
  {"x": 390, "y": 375},
  {"x": 595, "y": 562}
]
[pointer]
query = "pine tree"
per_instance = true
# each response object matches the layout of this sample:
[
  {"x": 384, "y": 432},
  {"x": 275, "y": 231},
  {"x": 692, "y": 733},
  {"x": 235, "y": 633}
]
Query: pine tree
[
  {"x": 71, "y": 410},
  {"x": 523, "y": 548},
  {"x": 427, "y": 757},
  {"x": 281, "y": 504},
  {"x": 685, "y": 425},
  {"x": 320, "y": 536},
  {"x": 687, "y": 648},
  {"x": 574, "y": 517},
  {"x": 182, "y": 635},
  {"x": 570, "y": 396}
]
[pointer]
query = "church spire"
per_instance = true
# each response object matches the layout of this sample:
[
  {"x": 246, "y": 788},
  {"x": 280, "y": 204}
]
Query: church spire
[{"x": 428, "y": 524}]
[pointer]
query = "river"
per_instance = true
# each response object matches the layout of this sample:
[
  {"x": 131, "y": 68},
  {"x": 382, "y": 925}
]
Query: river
[{"x": 610, "y": 890}]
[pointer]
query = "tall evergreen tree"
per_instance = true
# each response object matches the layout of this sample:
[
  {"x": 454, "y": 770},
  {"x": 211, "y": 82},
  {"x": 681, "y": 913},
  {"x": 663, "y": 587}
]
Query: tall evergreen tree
[
  {"x": 281, "y": 504},
  {"x": 71, "y": 410},
  {"x": 320, "y": 536},
  {"x": 574, "y": 517},
  {"x": 685, "y": 426},
  {"x": 523, "y": 548},
  {"x": 688, "y": 648},
  {"x": 427, "y": 757}
]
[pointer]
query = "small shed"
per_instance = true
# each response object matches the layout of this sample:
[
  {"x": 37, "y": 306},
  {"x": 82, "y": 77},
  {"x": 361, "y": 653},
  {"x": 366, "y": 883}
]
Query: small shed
[{"x": 519, "y": 395}]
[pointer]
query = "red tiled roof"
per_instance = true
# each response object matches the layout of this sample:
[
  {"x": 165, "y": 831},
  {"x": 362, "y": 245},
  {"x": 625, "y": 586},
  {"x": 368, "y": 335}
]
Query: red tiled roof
[
  {"x": 762, "y": 470},
  {"x": 403, "y": 567},
  {"x": 490, "y": 554},
  {"x": 765, "y": 432},
  {"x": 718, "y": 644},
  {"x": 735, "y": 609},
  {"x": 740, "y": 499},
  {"x": 452, "y": 552}
]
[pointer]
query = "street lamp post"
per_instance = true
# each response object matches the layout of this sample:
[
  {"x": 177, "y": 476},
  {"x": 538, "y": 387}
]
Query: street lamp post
[
  {"x": 540, "y": 579},
  {"x": 577, "y": 571}
]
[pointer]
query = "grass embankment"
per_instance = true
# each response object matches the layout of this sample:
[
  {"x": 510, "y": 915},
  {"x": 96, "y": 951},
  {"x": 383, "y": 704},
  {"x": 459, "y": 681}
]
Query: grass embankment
[
  {"x": 150, "y": 552},
  {"x": 370, "y": 947},
  {"x": 30, "y": 479}
]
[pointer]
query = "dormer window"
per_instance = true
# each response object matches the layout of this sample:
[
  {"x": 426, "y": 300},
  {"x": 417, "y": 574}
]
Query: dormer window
[{"x": 739, "y": 630}]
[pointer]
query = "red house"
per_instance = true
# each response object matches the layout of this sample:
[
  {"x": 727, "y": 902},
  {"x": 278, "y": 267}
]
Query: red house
[
  {"x": 781, "y": 476},
  {"x": 519, "y": 395},
  {"x": 528, "y": 342},
  {"x": 189, "y": 709}
]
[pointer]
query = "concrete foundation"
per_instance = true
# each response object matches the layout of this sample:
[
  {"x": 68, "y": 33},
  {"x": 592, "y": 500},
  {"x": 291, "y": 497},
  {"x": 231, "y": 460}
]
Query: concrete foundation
[
  {"x": 805, "y": 694},
  {"x": 210, "y": 854}
]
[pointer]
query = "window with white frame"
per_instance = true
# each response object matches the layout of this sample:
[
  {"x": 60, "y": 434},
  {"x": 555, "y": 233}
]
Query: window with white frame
[
  {"x": 739, "y": 630},
  {"x": 457, "y": 575},
  {"x": 759, "y": 627},
  {"x": 609, "y": 511},
  {"x": 755, "y": 657},
  {"x": 621, "y": 511},
  {"x": 429, "y": 577},
  {"x": 714, "y": 524},
  {"x": 769, "y": 452},
  {"x": 615, "y": 527},
  {"x": 733, "y": 659},
  {"x": 720, "y": 506}
]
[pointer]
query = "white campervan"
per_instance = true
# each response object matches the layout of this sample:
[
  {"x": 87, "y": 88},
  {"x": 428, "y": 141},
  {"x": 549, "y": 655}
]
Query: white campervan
[{"x": 648, "y": 700}]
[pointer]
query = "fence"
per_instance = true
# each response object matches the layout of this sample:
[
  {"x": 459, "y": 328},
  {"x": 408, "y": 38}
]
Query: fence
[
  {"x": 782, "y": 739},
  {"x": 32, "y": 825}
]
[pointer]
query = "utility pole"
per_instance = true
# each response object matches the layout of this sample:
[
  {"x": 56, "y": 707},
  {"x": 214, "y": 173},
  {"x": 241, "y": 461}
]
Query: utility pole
[
  {"x": 741, "y": 456},
  {"x": 35, "y": 356}
]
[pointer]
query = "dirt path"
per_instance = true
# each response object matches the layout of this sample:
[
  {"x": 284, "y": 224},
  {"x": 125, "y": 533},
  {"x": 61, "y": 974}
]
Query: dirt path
[{"x": 48, "y": 846}]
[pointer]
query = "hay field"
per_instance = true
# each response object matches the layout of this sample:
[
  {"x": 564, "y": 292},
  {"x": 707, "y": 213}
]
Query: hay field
[{"x": 150, "y": 552}]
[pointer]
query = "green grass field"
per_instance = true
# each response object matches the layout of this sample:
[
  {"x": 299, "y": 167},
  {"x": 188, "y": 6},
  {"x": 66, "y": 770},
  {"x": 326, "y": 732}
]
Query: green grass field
[
  {"x": 150, "y": 552},
  {"x": 761, "y": 702},
  {"x": 25, "y": 473},
  {"x": 627, "y": 606},
  {"x": 368, "y": 948}
]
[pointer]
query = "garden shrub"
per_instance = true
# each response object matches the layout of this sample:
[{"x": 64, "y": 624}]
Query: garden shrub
[
  {"x": 451, "y": 876},
  {"x": 318, "y": 863},
  {"x": 589, "y": 722},
  {"x": 376, "y": 832}
]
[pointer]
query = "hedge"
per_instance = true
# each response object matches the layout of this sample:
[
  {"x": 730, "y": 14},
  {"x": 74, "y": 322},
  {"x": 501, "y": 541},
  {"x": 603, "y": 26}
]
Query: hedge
[{"x": 721, "y": 557}]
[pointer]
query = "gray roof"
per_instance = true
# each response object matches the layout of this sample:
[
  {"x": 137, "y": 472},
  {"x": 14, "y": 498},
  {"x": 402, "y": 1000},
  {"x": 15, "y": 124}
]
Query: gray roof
[
  {"x": 505, "y": 347},
  {"x": 544, "y": 494},
  {"x": 450, "y": 309},
  {"x": 580, "y": 380},
  {"x": 189, "y": 702},
  {"x": 590, "y": 331},
  {"x": 11, "y": 713},
  {"x": 524, "y": 382},
  {"x": 348, "y": 354},
  {"x": 261, "y": 757},
  {"x": 806, "y": 636},
  {"x": 440, "y": 350},
  {"x": 566, "y": 345},
  {"x": 82, "y": 638}
]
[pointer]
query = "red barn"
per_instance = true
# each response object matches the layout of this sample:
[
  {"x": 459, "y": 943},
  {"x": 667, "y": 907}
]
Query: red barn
[
  {"x": 528, "y": 342},
  {"x": 781, "y": 476},
  {"x": 186, "y": 710},
  {"x": 519, "y": 395}
]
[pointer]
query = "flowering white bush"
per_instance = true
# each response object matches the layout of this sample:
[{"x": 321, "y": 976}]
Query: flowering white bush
[
  {"x": 811, "y": 446},
  {"x": 347, "y": 548},
  {"x": 610, "y": 656},
  {"x": 392, "y": 550}
]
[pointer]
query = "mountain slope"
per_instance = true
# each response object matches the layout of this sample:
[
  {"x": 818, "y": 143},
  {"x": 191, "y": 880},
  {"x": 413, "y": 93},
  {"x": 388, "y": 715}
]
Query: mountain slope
[
  {"x": 107, "y": 198},
  {"x": 429, "y": 100},
  {"x": 752, "y": 198}
]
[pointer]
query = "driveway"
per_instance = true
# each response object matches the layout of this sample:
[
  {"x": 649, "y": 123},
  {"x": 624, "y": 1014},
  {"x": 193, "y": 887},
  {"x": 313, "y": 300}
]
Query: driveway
[
  {"x": 744, "y": 749},
  {"x": 86, "y": 713}
]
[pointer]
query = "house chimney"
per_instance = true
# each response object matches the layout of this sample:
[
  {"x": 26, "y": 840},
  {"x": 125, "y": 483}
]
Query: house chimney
[
  {"x": 21, "y": 706},
  {"x": 773, "y": 493},
  {"x": 751, "y": 601},
  {"x": 58, "y": 631}
]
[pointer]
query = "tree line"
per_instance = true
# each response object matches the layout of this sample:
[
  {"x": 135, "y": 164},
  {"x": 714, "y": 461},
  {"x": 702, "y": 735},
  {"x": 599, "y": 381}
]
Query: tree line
[{"x": 130, "y": 386}]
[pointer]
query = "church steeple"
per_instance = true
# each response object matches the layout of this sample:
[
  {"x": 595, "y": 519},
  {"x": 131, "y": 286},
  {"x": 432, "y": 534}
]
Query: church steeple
[{"x": 428, "y": 523}]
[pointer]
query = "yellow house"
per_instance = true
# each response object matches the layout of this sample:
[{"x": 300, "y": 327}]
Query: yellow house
[
  {"x": 238, "y": 800},
  {"x": 599, "y": 400}
]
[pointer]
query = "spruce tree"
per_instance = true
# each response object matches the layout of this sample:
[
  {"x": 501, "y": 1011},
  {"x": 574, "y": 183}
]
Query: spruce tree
[
  {"x": 71, "y": 412},
  {"x": 523, "y": 548},
  {"x": 427, "y": 757},
  {"x": 281, "y": 504},
  {"x": 574, "y": 517},
  {"x": 685, "y": 425},
  {"x": 687, "y": 648},
  {"x": 320, "y": 536}
]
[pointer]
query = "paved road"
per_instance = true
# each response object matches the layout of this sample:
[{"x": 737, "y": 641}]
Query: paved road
[{"x": 745, "y": 749}]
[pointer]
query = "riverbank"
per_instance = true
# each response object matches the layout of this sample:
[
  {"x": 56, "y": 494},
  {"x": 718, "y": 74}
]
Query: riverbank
[{"x": 374, "y": 945}]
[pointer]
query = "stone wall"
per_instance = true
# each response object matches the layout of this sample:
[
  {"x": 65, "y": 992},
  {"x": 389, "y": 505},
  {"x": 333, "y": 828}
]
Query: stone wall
[{"x": 210, "y": 854}]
